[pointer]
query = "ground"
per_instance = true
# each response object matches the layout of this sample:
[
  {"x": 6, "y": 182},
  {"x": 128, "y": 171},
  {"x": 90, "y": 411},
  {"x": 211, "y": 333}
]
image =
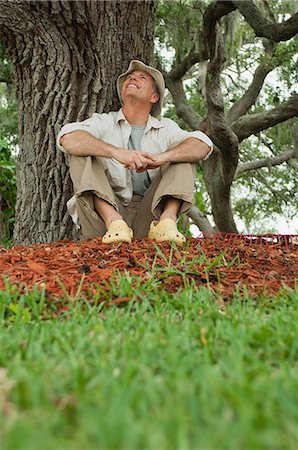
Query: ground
[
  {"x": 202, "y": 355},
  {"x": 83, "y": 268}
]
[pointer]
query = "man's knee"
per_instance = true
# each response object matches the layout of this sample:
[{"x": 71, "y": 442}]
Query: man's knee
[
  {"x": 179, "y": 173},
  {"x": 77, "y": 166}
]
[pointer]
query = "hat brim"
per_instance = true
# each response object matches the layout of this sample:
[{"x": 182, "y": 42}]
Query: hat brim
[{"x": 156, "y": 75}]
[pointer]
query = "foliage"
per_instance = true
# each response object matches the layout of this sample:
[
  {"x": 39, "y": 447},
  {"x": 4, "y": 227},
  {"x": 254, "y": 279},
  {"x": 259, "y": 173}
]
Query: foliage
[
  {"x": 189, "y": 15},
  {"x": 8, "y": 142},
  {"x": 5, "y": 66},
  {"x": 8, "y": 105},
  {"x": 8, "y": 113},
  {"x": 109, "y": 377},
  {"x": 270, "y": 191},
  {"x": 7, "y": 190}
]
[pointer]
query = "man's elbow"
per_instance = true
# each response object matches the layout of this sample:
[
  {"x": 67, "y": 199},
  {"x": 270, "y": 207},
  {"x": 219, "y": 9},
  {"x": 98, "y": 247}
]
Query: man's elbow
[
  {"x": 68, "y": 141},
  {"x": 203, "y": 149},
  {"x": 63, "y": 140},
  {"x": 206, "y": 151}
]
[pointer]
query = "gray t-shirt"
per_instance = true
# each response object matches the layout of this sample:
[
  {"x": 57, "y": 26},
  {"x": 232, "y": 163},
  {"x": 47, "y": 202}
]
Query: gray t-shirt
[{"x": 140, "y": 181}]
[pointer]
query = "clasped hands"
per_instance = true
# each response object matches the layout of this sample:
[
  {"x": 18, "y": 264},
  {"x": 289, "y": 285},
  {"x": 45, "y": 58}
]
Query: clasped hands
[{"x": 139, "y": 161}]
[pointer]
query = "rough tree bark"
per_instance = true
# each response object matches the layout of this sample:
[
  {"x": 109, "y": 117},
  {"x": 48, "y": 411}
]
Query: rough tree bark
[
  {"x": 254, "y": 123},
  {"x": 265, "y": 162},
  {"x": 220, "y": 168},
  {"x": 66, "y": 57}
]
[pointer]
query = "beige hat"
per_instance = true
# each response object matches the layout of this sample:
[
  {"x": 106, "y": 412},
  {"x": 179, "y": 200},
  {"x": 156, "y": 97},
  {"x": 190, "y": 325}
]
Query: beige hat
[{"x": 156, "y": 75}]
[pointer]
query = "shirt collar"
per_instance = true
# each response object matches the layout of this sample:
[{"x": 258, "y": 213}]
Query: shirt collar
[{"x": 152, "y": 122}]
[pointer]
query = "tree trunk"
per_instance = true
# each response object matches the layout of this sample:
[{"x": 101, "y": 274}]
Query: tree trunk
[
  {"x": 219, "y": 169},
  {"x": 66, "y": 57},
  {"x": 218, "y": 177}
]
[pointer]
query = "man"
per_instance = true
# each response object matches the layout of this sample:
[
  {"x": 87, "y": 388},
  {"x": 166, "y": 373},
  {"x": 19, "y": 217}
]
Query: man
[{"x": 133, "y": 174}]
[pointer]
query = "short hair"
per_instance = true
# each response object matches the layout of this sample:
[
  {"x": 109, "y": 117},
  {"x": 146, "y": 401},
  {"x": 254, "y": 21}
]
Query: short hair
[{"x": 155, "y": 88}]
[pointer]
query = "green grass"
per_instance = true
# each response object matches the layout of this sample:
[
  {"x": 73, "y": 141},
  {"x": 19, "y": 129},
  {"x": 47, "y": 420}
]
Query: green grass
[{"x": 181, "y": 371}]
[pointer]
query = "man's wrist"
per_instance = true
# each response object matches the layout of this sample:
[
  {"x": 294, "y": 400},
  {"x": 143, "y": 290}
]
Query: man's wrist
[
  {"x": 111, "y": 151},
  {"x": 167, "y": 156}
]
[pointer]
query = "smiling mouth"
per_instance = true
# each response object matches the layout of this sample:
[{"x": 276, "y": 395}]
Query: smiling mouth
[{"x": 132, "y": 85}]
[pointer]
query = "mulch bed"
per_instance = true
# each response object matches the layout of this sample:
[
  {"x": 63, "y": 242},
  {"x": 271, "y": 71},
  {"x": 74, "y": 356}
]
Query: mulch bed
[{"x": 222, "y": 266}]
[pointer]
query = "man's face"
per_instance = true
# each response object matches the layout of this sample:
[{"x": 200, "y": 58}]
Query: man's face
[{"x": 140, "y": 84}]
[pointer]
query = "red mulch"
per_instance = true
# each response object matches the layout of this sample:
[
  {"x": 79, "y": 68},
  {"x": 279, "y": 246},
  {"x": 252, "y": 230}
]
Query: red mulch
[{"x": 260, "y": 268}]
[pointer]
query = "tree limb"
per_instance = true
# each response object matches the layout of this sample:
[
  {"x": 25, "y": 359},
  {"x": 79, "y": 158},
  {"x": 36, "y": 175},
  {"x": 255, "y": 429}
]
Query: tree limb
[
  {"x": 200, "y": 219},
  {"x": 265, "y": 28},
  {"x": 258, "y": 176},
  {"x": 254, "y": 123},
  {"x": 222, "y": 135},
  {"x": 6, "y": 80},
  {"x": 265, "y": 162},
  {"x": 183, "y": 108},
  {"x": 249, "y": 98},
  {"x": 218, "y": 9},
  {"x": 179, "y": 71}
]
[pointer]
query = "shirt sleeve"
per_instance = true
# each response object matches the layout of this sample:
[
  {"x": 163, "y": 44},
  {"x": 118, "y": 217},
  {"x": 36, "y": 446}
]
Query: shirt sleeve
[
  {"x": 94, "y": 125},
  {"x": 176, "y": 136}
]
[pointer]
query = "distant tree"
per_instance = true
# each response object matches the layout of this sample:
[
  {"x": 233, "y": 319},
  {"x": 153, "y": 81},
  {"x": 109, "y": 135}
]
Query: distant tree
[
  {"x": 7, "y": 191},
  {"x": 8, "y": 140},
  {"x": 213, "y": 44},
  {"x": 66, "y": 57}
]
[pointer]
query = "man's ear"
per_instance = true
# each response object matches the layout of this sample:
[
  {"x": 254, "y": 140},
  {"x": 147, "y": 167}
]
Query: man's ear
[{"x": 155, "y": 97}]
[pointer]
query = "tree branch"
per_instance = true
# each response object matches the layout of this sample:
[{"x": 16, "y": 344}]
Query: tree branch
[
  {"x": 263, "y": 27},
  {"x": 249, "y": 98},
  {"x": 200, "y": 219},
  {"x": 258, "y": 176},
  {"x": 222, "y": 135},
  {"x": 183, "y": 108},
  {"x": 254, "y": 123},
  {"x": 179, "y": 71},
  {"x": 6, "y": 80},
  {"x": 265, "y": 162},
  {"x": 218, "y": 9}
]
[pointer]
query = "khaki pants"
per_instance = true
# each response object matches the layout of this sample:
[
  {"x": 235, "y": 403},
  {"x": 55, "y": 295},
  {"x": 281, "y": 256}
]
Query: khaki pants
[{"x": 89, "y": 179}]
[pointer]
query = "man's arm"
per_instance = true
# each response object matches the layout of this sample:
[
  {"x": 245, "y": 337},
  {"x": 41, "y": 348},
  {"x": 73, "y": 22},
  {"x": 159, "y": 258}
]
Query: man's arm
[
  {"x": 82, "y": 143},
  {"x": 191, "y": 150}
]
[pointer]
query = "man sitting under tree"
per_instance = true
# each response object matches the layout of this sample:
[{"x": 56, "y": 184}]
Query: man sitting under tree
[{"x": 133, "y": 174}]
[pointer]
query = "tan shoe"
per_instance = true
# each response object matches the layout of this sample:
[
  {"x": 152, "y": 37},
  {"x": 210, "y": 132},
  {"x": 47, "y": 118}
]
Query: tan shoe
[
  {"x": 118, "y": 231},
  {"x": 165, "y": 230}
]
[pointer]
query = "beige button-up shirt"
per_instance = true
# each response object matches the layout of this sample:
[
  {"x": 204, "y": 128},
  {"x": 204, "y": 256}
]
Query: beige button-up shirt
[{"x": 113, "y": 128}]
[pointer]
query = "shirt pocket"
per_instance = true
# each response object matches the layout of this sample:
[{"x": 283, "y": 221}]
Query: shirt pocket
[
  {"x": 116, "y": 173},
  {"x": 153, "y": 143}
]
